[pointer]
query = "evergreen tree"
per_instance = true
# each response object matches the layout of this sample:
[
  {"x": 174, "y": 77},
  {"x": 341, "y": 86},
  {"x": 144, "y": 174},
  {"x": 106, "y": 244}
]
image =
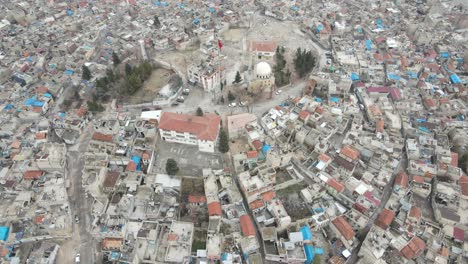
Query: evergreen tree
[
  {"x": 86, "y": 73},
  {"x": 157, "y": 23},
  {"x": 110, "y": 75},
  {"x": 199, "y": 111},
  {"x": 128, "y": 69},
  {"x": 223, "y": 141},
  {"x": 231, "y": 97},
  {"x": 238, "y": 78},
  {"x": 171, "y": 167},
  {"x": 115, "y": 58},
  {"x": 222, "y": 99}
]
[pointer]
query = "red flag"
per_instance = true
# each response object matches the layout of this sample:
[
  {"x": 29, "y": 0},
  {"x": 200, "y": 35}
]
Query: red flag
[{"x": 220, "y": 44}]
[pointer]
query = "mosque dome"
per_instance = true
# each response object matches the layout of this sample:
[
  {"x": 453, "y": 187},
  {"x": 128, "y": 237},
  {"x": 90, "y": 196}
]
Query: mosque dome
[{"x": 263, "y": 70}]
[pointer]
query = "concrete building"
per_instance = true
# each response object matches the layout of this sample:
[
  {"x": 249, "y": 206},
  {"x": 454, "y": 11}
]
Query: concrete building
[{"x": 201, "y": 131}]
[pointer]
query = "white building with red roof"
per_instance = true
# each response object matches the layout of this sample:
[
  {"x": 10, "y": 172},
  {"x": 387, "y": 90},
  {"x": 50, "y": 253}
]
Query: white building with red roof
[{"x": 201, "y": 131}]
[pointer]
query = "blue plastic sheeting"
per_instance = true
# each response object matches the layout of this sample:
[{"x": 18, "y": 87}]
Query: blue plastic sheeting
[
  {"x": 157, "y": 3},
  {"x": 137, "y": 160},
  {"x": 69, "y": 12},
  {"x": 266, "y": 148},
  {"x": 211, "y": 10},
  {"x": 445, "y": 54},
  {"x": 69, "y": 72},
  {"x": 379, "y": 21},
  {"x": 114, "y": 255},
  {"x": 354, "y": 76},
  {"x": 308, "y": 249},
  {"x": 4, "y": 230},
  {"x": 319, "y": 27},
  {"x": 181, "y": 5},
  {"x": 8, "y": 107},
  {"x": 424, "y": 129},
  {"x": 318, "y": 210},
  {"x": 38, "y": 104},
  {"x": 461, "y": 117},
  {"x": 455, "y": 79},
  {"x": 196, "y": 21},
  {"x": 335, "y": 99},
  {"x": 62, "y": 115},
  {"x": 294, "y": 8},
  {"x": 48, "y": 95},
  {"x": 368, "y": 44},
  {"x": 318, "y": 99},
  {"x": 319, "y": 251},
  {"x": 421, "y": 120},
  {"x": 30, "y": 101},
  {"x": 164, "y": 4},
  {"x": 359, "y": 30},
  {"x": 412, "y": 75},
  {"x": 393, "y": 77}
]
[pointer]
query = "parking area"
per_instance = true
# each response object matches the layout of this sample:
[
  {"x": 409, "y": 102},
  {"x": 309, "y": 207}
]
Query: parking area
[{"x": 189, "y": 160}]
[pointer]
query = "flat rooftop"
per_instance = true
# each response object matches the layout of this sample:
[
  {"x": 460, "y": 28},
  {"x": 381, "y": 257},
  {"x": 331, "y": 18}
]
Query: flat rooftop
[{"x": 179, "y": 242}]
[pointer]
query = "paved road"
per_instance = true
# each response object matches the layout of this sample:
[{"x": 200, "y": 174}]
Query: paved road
[{"x": 78, "y": 202}]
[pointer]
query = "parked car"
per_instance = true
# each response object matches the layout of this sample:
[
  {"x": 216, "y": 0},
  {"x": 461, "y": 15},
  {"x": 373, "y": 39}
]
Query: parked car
[
  {"x": 278, "y": 92},
  {"x": 77, "y": 219},
  {"x": 186, "y": 91},
  {"x": 232, "y": 104},
  {"x": 180, "y": 99},
  {"x": 175, "y": 104},
  {"x": 243, "y": 103},
  {"x": 77, "y": 258}
]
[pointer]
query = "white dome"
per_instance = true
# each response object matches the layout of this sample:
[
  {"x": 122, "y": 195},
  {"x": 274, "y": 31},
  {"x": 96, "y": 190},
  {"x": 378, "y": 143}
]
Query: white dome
[{"x": 263, "y": 69}]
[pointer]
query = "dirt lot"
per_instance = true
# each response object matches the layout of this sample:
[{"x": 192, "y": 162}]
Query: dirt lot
[{"x": 158, "y": 79}]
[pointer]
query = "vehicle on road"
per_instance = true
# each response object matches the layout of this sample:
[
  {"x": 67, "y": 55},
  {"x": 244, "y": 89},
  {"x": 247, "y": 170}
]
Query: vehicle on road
[
  {"x": 232, "y": 105},
  {"x": 180, "y": 99},
  {"x": 77, "y": 219},
  {"x": 329, "y": 61},
  {"x": 186, "y": 91},
  {"x": 175, "y": 104},
  {"x": 243, "y": 103},
  {"x": 77, "y": 258},
  {"x": 278, "y": 92}
]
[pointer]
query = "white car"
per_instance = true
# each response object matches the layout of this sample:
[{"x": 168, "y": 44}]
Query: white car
[
  {"x": 77, "y": 258},
  {"x": 278, "y": 92},
  {"x": 232, "y": 104},
  {"x": 243, "y": 103}
]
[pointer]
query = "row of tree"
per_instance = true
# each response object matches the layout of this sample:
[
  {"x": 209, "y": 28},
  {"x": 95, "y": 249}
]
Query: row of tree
[
  {"x": 136, "y": 76},
  {"x": 282, "y": 74},
  {"x": 304, "y": 62}
]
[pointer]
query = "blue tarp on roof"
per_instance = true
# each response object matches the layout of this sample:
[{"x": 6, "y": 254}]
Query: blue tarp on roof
[
  {"x": 319, "y": 27},
  {"x": 424, "y": 129},
  {"x": 8, "y": 107},
  {"x": 354, "y": 76},
  {"x": 4, "y": 230},
  {"x": 38, "y": 104},
  {"x": 211, "y": 10},
  {"x": 196, "y": 21},
  {"x": 368, "y": 44},
  {"x": 157, "y": 3},
  {"x": 30, "y": 101},
  {"x": 412, "y": 75},
  {"x": 61, "y": 115},
  {"x": 164, "y": 4},
  {"x": 318, "y": 99},
  {"x": 308, "y": 249},
  {"x": 114, "y": 255},
  {"x": 445, "y": 54},
  {"x": 294, "y": 8},
  {"x": 266, "y": 148},
  {"x": 137, "y": 160},
  {"x": 48, "y": 95},
  {"x": 319, "y": 251},
  {"x": 181, "y": 5},
  {"x": 335, "y": 99},
  {"x": 455, "y": 79},
  {"x": 393, "y": 77},
  {"x": 69, "y": 72},
  {"x": 69, "y": 12}
]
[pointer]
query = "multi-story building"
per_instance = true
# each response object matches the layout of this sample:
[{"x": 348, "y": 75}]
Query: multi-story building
[
  {"x": 201, "y": 131},
  {"x": 208, "y": 75}
]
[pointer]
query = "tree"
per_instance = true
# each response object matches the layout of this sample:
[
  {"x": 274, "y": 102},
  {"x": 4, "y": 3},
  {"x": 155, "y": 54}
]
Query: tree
[
  {"x": 317, "y": 259},
  {"x": 110, "y": 75},
  {"x": 171, "y": 167},
  {"x": 157, "y": 23},
  {"x": 86, "y": 73},
  {"x": 222, "y": 99},
  {"x": 238, "y": 78},
  {"x": 128, "y": 69},
  {"x": 199, "y": 111},
  {"x": 231, "y": 97},
  {"x": 463, "y": 163},
  {"x": 223, "y": 142},
  {"x": 115, "y": 58},
  {"x": 304, "y": 62}
]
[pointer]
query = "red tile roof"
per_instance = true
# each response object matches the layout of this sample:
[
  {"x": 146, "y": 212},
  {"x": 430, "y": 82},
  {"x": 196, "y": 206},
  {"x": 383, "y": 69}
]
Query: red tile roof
[
  {"x": 349, "y": 152},
  {"x": 102, "y": 137},
  {"x": 263, "y": 46},
  {"x": 172, "y": 237},
  {"x": 257, "y": 144},
  {"x": 454, "y": 161},
  {"x": 414, "y": 248},
  {"x": 304, "y": 114},
  {"x": 268, "y": 196},
  {"x": 41, "y": 135},
  {"x": 197, "y": 199},
  {"x": 463, "y": 182},
  {"x": 402, "y": 179},
  {"x": 32, "y": 174},
  {"x": 415, "y": 212},
  {"x": 385, "y": 218},
  {"x": 344, "y": 227},
  {"x": 204, "y": 127},
  {"x": 131, "y": 166},
  {"x": 252, "y": 154},
  {"x": 256, "y": 204},
  {"x": 247, "y": 226},
  {"x": 39, "y": 219},
  {"x": 214, "y": 208},
  {"x": 335, "y": 185},
  {"x": 458, "y": 234},
  {"x": 380, "y": 126},
  {"x": 42, "y": 89},
  {"x": 324, "y": 157}
]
